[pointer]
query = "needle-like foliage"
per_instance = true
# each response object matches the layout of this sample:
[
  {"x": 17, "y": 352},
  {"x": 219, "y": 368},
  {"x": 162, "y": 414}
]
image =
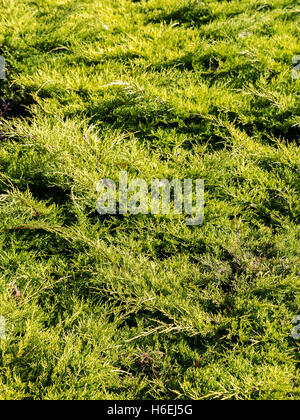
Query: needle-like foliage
[{"x": 143, "y": 306}]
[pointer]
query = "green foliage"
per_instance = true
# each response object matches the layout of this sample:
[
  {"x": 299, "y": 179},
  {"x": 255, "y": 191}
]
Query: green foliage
[{"x": 144, "y": 306}]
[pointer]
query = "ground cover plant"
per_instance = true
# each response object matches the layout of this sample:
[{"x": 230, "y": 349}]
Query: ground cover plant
[{"x": 143, "y": 306}]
